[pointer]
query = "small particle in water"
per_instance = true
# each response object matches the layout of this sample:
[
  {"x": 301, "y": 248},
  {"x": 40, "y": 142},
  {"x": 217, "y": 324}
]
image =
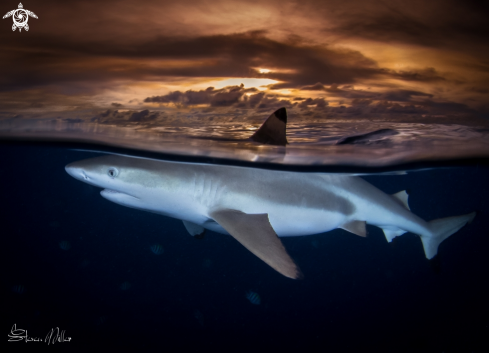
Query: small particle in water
[
  {"x": 207, "y": 263},
  {"x": 84, "y": 263},
  {"x": 315, "y": 243},
  {"x": 101, "y": 320},
  {"x": 18, "y": 288},
  {"x": 253, "y": 297},
  {"x": 157, "y": 249},
  {"x": 65, "y": 245},
  {"x": 55, "y": 224},
  {"x": 125, "y": 286},
  {"x": 199, "y": 316}
]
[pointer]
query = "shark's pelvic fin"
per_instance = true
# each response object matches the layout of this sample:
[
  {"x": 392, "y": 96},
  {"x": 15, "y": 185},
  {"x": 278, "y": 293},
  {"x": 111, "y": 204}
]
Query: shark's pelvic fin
[
  {"x": 356, "y": 227},
  {"x": 194, "y": 229},
  {"x": 255, "y": 233},
  {"x": 273, "y": 130},
  {"x": 402, "y": 196},
  {"x": 441, "y": 229}
]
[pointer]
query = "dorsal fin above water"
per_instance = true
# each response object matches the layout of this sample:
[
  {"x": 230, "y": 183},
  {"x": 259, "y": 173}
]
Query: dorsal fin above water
[{"x": 273, "y": 130}]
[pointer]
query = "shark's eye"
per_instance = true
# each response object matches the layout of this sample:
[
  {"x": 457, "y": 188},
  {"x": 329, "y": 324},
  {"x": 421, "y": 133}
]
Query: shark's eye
[{"x": 113, "y": 172}]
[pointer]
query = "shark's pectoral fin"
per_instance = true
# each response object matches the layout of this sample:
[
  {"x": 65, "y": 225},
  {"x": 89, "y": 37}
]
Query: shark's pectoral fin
[
  {"x": 194, "y": 229},
  {"x": 402, "y": 198},
  {"x": 273, "y": 130},
  {"x": 255, "y": 233},
  {"x": 356, "y": 227}
]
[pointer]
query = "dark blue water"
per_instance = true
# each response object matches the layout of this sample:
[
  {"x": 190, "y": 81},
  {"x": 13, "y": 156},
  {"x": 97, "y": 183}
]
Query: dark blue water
[{"x": 110, "y": 291}]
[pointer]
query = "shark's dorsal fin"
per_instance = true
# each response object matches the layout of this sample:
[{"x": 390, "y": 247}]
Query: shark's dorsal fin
[
  {"x": 356, "y": 227},
  {"x": 273, "y": 130},
  {"x": 194, "y": 229},
  {"x": 402, "y": 197},
  {"x": 255, "y": 233}
]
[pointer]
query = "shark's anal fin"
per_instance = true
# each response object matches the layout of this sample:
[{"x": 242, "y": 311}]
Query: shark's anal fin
[
  {"x": 255, "y": 233},
  {"x": 273, "y": 130},
  {"x": 356, "y": 227},
  {"x": 392, "y": 232},
  {"x": 402, "y": 197},
  {"x": 194, "y": 229}
]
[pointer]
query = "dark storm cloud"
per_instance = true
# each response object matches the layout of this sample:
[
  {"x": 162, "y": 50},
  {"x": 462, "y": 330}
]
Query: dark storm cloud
[
  {"x": 426, "y": 75},
  {"x": 143, "y": 116},
  {"x": 255, "y": 99},
  {"x": 319, "y": 103},
  {"x": 230, "y": 96},
  {"x": 80, "y": 49},
  {"x": 361, "y": 103},
  {"x": 58, "y": 60},
  {"x": 403, "y": 95},
  {"x": 224, "y": 97},
  {"x": 116, "y": 117},
  {"x": 449, "y": 24},
  {"x": 398, "y": 95},
  {"x": 273, "y": 103}
]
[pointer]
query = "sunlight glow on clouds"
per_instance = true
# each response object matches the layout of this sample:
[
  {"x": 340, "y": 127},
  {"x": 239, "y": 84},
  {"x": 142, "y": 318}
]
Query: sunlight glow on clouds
[
  {"x": 258, "y": 83},
  {"x": 319, "y": 57}
]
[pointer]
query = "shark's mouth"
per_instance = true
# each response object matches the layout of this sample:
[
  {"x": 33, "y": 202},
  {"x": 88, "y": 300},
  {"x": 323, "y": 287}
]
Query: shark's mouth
[{"x": 108, "y": 192}]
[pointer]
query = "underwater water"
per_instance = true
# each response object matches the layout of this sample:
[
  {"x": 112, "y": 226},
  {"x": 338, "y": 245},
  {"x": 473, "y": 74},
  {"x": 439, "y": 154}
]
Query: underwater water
[{"x": 111, "y": 276}]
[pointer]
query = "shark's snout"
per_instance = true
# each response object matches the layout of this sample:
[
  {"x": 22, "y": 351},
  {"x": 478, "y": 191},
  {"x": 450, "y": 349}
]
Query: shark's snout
[{"x": 76, "y": 172}]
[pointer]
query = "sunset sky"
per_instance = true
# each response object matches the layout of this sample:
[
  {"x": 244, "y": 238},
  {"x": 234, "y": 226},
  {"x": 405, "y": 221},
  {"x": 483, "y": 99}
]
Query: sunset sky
[{"x": 325, "y": 58}]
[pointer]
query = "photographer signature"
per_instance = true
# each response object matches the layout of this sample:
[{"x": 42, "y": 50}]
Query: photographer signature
[{"x": 53, "y": 336}]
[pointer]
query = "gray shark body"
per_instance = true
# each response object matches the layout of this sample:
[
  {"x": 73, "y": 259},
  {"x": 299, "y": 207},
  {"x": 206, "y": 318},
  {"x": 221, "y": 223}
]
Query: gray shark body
[{"x": 257, "y": 205}]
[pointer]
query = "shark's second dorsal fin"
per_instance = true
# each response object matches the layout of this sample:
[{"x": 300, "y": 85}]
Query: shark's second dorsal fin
[
  {"x": 273, "y": 130},
  {"x": 402, "y": 197},
  {"x": 256, "y": 234}
]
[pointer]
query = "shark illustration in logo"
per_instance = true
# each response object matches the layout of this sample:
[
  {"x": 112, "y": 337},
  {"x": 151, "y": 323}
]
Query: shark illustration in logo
[{"x": 257, "y": 206}]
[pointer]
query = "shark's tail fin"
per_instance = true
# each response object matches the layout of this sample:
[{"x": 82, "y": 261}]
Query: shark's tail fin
[{"x": 441, "y": 229}]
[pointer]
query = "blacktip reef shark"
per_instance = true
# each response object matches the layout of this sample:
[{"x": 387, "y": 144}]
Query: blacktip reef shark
[{"x": 257, "y": 206}]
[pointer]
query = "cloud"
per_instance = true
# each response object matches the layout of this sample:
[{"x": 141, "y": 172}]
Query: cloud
[
  {"x": 347, "y": 91},
  {"x": 224, "y": 97},
  {"x": 50, "y": 61},
  {"x": 116, "y": 117},
  {"x": 319, "y": 103},
  {"x": 143, "y": 116},
  {"x": 426, "y": 75},
  {"x": 356, "y": 103},
  {"x": 77, "y": 57},
  {"x": 444, "y": 24}
]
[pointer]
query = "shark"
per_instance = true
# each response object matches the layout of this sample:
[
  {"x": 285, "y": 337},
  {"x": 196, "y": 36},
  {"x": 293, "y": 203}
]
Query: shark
[{"x": 257, "y": 206}]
